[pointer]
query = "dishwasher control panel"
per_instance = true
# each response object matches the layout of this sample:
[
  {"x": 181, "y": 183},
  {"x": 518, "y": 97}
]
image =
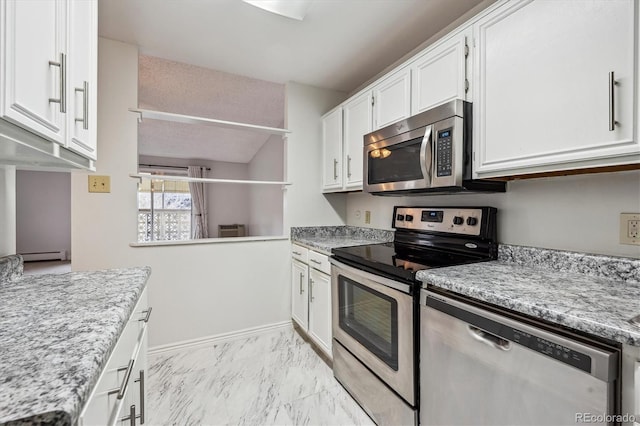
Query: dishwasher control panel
[{"x": 548, "y": 348}]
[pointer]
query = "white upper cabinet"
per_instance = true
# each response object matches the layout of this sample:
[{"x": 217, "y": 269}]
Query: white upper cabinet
[
  {"x": 332, "y": 150},
  {"x": 82, "y": 79},
  {"x": 33, "y": 46},
  {"x": 358, "y": 118},
  {"x": 442, "y": 73},
  {"x": 48, "y": 79},
  {"x": 392, "y": 98},
  {"x": 554, "y": 86}
]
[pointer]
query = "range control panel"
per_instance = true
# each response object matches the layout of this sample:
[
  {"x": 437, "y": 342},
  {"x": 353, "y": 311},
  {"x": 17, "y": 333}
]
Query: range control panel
[{"x": 462, "y": 220}]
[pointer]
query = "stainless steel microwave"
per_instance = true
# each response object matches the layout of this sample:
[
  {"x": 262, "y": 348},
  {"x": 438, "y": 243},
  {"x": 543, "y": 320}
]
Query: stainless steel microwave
[{"x": 430, "y": 152}]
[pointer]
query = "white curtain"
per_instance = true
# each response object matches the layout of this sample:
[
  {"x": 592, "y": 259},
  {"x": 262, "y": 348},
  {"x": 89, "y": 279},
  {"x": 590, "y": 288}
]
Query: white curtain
[{"x": 199, "y": 228}]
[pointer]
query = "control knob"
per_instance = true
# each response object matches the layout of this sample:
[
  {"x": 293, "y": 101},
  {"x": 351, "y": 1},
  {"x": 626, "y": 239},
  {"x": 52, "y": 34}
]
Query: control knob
[
  {"x": 408, "y": 217},
  {"x": 458, "y": 220},
  {"x": 472, "y": 221}
]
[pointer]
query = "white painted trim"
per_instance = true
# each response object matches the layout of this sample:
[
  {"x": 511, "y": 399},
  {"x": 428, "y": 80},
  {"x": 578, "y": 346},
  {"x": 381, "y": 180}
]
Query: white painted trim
[
  {"x": 209, "y": 241},
  {"x": 206, "y": 180},
  {"x": 190, "y": 119},
  {"x": 49, "y": 255},
  {"x": 220, "y": 338}
]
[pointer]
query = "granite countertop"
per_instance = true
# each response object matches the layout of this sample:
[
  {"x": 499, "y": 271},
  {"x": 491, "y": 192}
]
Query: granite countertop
[
  {"x": 325, "y": 238},
  {"x": 56, "y": 334},
  {"x": 590, "y": 293}
]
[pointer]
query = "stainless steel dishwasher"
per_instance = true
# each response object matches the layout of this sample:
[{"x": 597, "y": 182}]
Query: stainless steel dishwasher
[{"x": 481, "y": 368}]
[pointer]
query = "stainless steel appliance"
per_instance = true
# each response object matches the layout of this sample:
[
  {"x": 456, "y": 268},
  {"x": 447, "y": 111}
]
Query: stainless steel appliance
[
  {"x": 430, "y": 152},
  {"x": 486, "y": 367},
  {"x": 375, "y": 306}
]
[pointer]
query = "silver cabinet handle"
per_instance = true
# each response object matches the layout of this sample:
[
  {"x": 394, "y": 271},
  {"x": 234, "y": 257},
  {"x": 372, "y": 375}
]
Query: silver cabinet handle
[
  {"x": 348, "y": 166},
  {"x": 612, "y": 103},
  {"x": 62, "y": 100},
  {"x": 140, "y": 379},
  {"x": 122, "y": 390},
  {"x": 297, "y": 254},
  {"x": 301, "y": 286},
  {"x": 85, "y": 105},
  {"x": 315, "y": 261},
  {"x": 335, "y": 169},
  {"x": 148, "y": 312},
  {"x": 311, "y": 289},
  {"x": 131, "y": 417}
]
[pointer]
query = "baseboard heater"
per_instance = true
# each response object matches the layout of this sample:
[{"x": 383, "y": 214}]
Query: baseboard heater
[
  {"x": 235, "y": 230},
  {"x": 45, "y": 255}
]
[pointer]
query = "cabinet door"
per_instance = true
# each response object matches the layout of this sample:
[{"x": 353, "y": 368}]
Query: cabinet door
[
  {"x": 358, "y": 115},
  {"x": 82, "y": 77},
  {"x": 392, "y": 99},
  {"x": 332, "y": 150},
  {"x": 320, "y": 309},
  {"x": 32, "y": 45},
  {"x": 299, "y": 299},
  {"x": 542, "y": 99},
  {"x": 440, "y": 74}
]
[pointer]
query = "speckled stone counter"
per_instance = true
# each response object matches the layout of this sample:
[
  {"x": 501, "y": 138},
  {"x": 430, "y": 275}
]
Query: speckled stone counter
[
  {"x": 590, "y": 293},
  {"x": 325, "y": 238},
  {"x": 11, "y": 268},
  {"x": 56, "y": 334}
]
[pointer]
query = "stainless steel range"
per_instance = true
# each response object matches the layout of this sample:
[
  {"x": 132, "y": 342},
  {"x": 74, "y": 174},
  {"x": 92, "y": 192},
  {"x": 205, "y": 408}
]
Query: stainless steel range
[{"x": 375, "y": 304}]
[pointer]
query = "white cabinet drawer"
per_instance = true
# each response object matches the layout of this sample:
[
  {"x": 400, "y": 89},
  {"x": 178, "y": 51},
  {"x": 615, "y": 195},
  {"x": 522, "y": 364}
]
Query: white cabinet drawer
[
  {"x": 320, "y": 262},
  {"x": 104, "y": 406},
  {"x": 300, "y": 253}
]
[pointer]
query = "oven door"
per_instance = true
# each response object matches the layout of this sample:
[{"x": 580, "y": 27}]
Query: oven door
[
  {"x": 373, "y": 317},
  {"x": 402, "y": 162}
]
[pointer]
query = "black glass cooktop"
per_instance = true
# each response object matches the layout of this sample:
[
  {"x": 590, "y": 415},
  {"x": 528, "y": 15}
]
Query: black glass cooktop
[{"x": 398, "y": 260}]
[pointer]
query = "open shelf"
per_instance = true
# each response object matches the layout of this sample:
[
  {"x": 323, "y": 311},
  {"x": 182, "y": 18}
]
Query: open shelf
[
  {"x": 189, "y": 119},
  {"x": 207, "y": 180}
]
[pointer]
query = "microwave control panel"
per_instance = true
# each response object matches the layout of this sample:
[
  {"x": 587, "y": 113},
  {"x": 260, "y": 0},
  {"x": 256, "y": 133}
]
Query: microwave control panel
[{"x": 444, "y": 152}]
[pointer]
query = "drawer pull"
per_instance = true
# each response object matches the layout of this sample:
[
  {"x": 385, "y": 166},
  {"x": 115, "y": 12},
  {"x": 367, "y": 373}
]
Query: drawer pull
[
  {"x": 297, "y": 253},
  {"x": 148, "y": 312},
  {"x": 122, "y": 390},
  {"x": 141, "y": 381},
  {"x": 315, "y": 261},
  {"x": 131, "y": 417}
]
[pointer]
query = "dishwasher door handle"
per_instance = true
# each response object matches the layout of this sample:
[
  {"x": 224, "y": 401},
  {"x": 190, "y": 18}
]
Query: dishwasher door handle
[{"x": 489, "y": 339}]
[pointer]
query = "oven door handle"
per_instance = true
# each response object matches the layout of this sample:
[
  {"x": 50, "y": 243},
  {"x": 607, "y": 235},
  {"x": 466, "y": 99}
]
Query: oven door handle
[
  {"x": 396, "y": 285},
  {"x": 426, "y": 156}
]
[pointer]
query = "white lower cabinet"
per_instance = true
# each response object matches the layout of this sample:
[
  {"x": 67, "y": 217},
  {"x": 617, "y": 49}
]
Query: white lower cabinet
[
  {"x": 320, "y": 308},
  {"x": 311, "y": 295},
  {"x": 121, "y": 388}
]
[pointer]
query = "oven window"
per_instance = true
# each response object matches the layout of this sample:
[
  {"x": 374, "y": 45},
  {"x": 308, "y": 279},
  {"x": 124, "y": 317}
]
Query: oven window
[
  {"x": 395, "y": 163},
  {"x": 369, "y": 317}
]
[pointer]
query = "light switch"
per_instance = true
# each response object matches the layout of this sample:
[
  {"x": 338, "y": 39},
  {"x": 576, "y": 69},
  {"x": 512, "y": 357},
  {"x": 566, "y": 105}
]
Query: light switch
[{"x": 99, "y": 183}]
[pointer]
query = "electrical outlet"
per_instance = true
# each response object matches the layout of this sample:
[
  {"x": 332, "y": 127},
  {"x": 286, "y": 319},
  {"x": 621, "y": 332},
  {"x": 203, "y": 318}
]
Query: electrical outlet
[
  {"x": 630, "y": 228},
  {"x": 367, "y": 216},
  {"x": 99, "y": 183}
]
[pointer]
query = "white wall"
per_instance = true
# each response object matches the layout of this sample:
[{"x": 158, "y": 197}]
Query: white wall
[
  {"x": 195, "y": 291},
  {"x": 266, "y": 201},
  {"x": 7, "y": 210},
  {"x": 577, "y": 213},
  {"x": 43, "y": 212},
  {"x": 305, "y": 205}
]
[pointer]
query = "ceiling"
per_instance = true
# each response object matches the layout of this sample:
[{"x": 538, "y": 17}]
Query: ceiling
[{"x": 339, "y": 45}]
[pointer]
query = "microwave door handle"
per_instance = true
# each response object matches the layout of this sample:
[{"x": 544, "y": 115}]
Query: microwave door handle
[{"x": 426, "y": 156}]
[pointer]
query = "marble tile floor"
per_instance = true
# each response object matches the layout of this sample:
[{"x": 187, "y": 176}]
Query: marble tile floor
[{"x": 272, "y": 379}]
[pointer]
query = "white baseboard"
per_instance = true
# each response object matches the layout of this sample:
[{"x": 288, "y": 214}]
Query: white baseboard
[{"x": 219, "y": 338}]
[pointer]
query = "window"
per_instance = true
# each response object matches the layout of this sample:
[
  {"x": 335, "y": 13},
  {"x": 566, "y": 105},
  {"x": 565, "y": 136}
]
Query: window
[{"x": 168, "y": 217}]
